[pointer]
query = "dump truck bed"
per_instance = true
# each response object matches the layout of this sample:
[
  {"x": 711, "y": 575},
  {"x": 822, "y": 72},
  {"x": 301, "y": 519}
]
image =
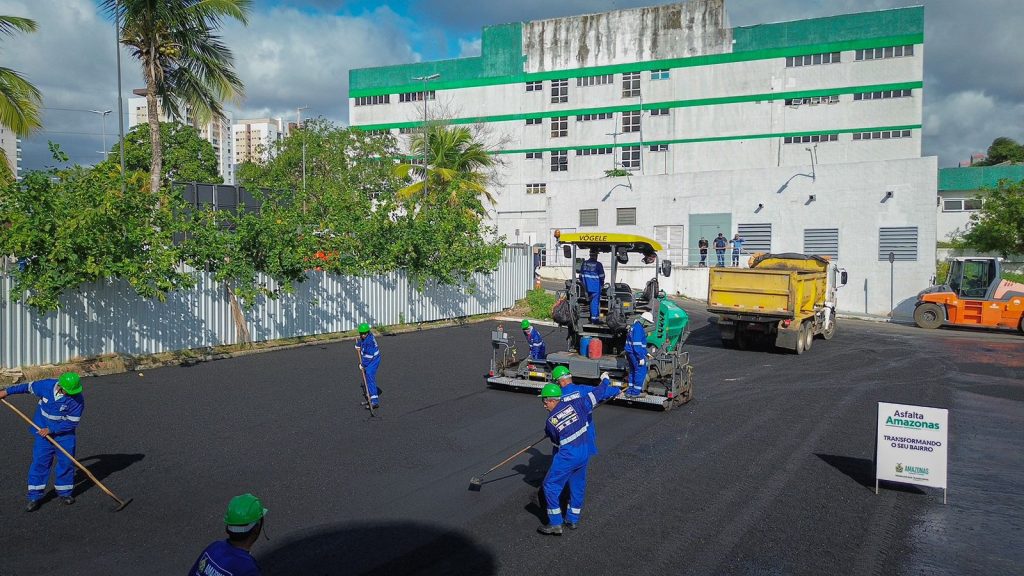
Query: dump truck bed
[{"x": 771, "y": 293}]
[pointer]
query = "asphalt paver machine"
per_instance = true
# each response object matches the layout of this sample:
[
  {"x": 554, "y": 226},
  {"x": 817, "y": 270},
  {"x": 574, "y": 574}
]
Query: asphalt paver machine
[{"x": 670, "y": 375}]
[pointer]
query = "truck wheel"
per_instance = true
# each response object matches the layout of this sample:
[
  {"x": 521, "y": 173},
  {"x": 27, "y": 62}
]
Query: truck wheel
[
  {"x": 742, "y": 340},
  {"x": 928, "y": 315},
  {"x": 801, "y": 339},
  {"x": 808, "y": 331},
  {"x": 828, "y": 334}
]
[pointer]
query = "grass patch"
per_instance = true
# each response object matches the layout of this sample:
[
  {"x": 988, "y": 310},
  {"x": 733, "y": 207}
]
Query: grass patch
[{"x": 540, "y": 302}]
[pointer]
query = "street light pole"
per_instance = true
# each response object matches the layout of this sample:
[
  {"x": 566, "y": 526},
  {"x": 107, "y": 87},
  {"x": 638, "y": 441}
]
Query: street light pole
[
  {"x": 120, "y": 99},
  {"x": 426, "y": 148},
  {"x": 298, "y": 113},
  {"x": 103, "y": 115}
]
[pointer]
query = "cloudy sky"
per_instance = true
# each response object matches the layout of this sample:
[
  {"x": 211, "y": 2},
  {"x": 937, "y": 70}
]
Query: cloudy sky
[{"x": 298, "y": 53}]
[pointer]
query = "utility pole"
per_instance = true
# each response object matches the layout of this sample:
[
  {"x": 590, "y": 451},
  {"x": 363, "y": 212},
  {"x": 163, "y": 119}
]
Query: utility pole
[
  {"x": 426, "y": 147},
  {"x": 298, "y": 124},
  {"x": 120, "y": 99}
]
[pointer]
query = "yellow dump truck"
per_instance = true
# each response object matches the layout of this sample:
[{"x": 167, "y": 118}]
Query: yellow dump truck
[{"x": 789, "y": 298}]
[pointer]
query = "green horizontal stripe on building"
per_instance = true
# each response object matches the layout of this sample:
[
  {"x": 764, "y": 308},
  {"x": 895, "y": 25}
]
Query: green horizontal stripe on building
[
  {"x": 706, "y": 60},
  {"x": 660, "y": 105},
  {"x": 712, "y": 139}
]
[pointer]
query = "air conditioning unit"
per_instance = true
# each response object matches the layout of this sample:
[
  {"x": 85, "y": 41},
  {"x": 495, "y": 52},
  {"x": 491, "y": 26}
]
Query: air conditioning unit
[
  {"x": 814, "y": 100},
  {"x": 797, "y": 101}
]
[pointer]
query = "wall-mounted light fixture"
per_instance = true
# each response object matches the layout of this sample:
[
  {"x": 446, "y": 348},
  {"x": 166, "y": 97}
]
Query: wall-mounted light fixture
[
  {"x": 759, "y": 208},
  {"x": 888, "y": 194},
  {"x": 811, "y": 198}
]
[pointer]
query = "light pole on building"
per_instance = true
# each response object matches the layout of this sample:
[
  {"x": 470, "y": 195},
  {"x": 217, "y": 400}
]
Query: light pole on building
[
  {"x": 103, "y": 115},
  {"x": 425, "y": 79}
]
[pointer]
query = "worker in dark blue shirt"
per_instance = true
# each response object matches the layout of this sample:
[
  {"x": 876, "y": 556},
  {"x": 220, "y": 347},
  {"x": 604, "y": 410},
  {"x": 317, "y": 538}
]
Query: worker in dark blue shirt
[
  {"x": 60, "y": 410},
  {"x": 369, "y": 362},
  {"x": 243, "y": 523},
  {"x": 567, "y": 427},
  {"x": 636, "y": 354},
  {"x": 538, "y": 351},
  {"x": 592, "y": 273}
]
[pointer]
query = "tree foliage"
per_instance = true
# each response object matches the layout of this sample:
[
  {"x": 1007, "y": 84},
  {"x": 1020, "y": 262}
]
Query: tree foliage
[
  {"x": 19, "y": 99},
  {"x": 999, "y": 225},
  {"x": 1003, "y": 149},
  {"x": 185, "y": 64},
  {"x": 187, "y": 157},
  {"x": 73, "y": 226}
]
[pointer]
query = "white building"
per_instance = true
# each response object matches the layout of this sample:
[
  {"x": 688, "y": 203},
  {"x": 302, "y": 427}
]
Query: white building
[
  {"x": 959, "y": 194},
  {"x": 11, "y": 145},
  {"x": 254, "y": 138},
  {"x": 801, "y": 136},
  {"x": 216, "y": 132}
]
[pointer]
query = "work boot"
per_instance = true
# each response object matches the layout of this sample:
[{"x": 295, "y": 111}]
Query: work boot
[
  {"x": 32, "y": 506},
  {"x": 67, "y": 500},
  {"x": 550, "y": 530},
  {"x": 571, "y": 525}
]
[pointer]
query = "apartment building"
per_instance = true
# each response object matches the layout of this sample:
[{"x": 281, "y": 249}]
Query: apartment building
[
  {"x": 254, "y": 138},
  {"x": 11, "y": 145},
  {"x": 801, "y": 136}
]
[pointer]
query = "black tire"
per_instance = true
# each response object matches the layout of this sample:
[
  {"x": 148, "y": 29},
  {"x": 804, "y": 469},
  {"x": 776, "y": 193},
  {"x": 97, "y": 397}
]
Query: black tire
[
  {"x": 728, "y": 343},
  {"x": 808, "y": 335},
  {"x": 801, "y": 340},
  {"x": 929, "y": 315},
  {"x": 742, "y": 339}
]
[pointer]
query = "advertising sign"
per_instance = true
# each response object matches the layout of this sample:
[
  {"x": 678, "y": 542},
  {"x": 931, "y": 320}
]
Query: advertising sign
[{"x": 911, "y": 445}]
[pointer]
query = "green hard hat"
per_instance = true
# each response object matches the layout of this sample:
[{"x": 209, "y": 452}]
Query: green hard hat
[
  {"x": 364, "y": 328},
  {"x": 244, "y": 510},
  {"x": 70, "y": 383},
  {"x": 558, "y": 372},
  {"x": 525, "y": 324},
  {"x": 551, "y": 391}
]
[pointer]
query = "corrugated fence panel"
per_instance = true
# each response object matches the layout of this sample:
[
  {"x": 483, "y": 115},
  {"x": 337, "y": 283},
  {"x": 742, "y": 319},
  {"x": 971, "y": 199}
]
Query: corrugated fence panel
[{"x": 109, "y": 317}]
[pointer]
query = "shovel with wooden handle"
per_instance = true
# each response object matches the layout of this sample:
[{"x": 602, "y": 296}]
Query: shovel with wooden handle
[{"x": 120, "y": 503}]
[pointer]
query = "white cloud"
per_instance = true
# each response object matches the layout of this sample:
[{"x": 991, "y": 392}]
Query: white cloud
[
  {"x": 469, "y": 47},
  {"x": 961, "y": 123}
]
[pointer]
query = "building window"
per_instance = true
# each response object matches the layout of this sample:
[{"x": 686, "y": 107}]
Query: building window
[
  {"x": 881, "y": 135},
  {"x": 660, "y": 112},
  {"x": 813, "y": 100},
  {"x": 886, "y": 52},
  {"x": 901, "y": 241},
  {"x": 884, "y": 94},
  {"x": 659, "y": 74},
  {"x": 536, "y": 188},
  {"x": 535, "y": 86},
  {"x": 559, "y": 126},
  {"x": 415, "y": 96},
  {"x": 821, "y": 242},
  {"x": 534, "y": 155},
  {"x": 588, "y": 217},
  {"x": 631, "y": 121},
  {"x": 631, "y": 158},
  {"x": 630, "y": 84},
  {"x": 595, "y": 80},
  {"x": 813, "y": 59},
  {"x": 533, "y": 121},
  {"x": 593, "y": 151},
  {"x": 559, "y": 160},
  {"x": 961, "y": 205},
  {"x": 625, "y": 216},
  {"x": 659, "y": 148},
  {"x": 559, "y": 91},
  {"x": 810, "y": 138},
  {"x": 373, "y": 100},
  {"x": 589, "y": 117},
  {"x": 408, "y": 130}
]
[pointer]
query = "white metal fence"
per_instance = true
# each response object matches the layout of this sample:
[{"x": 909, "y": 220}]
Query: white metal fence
[{"x": 111, "y": 318}]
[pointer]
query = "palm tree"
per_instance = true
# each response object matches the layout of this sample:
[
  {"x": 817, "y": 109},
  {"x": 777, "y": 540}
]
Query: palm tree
[
  {"x": 459, "y": 167},
  {"x": 184, "y": 62},
  {"x": 19, "y": 99}
]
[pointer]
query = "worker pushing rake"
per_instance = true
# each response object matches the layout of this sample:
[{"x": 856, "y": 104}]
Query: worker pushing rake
[{"x": 55, "y": 423}]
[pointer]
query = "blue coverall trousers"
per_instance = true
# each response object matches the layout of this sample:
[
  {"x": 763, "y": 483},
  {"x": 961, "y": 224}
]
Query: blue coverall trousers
[
  {"x": 43, "y": 454},
  {"x": 571, "y": 470},
  {"x": 371, "y": 379}
]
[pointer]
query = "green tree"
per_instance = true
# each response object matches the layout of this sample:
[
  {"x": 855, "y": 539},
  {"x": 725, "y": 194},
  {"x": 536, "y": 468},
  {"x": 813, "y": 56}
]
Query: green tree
[
  {"x": 186, "y": 156},
  {"x": 184, "y": 62},
  {"x": 1003, "y": 149},
  {"x": 459, "y": 167},
  {"x": 73, "y": 226},
  {"x": 19, "y": 99},
  {"x": 999, "y": 225}
]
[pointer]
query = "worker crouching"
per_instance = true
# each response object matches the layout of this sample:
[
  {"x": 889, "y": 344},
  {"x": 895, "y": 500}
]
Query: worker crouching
[{"x": 567, "y": 427}]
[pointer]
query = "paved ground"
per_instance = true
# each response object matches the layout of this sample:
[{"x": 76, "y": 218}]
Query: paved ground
[{"x": 768, "y": 471}]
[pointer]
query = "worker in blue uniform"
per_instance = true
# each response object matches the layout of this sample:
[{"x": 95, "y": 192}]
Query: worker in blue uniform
[
  {"x": 60, "y": 410},
  {"x": 636, "y": 354},
  {"x": 592, "y": 273},
  {"x": 369, "y": 362},
  {"x": 243, "y": 523},
  {"x": 538, "y": 351},
  {"x": 567, "y": 428},
  {"x": 561, "y": 376}
]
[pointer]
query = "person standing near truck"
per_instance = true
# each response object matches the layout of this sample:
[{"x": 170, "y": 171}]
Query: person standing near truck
[
  {"x": 737, "y": 247},
  {"x": 702, "y": 245},
  {"x": 720, "y": 244}
]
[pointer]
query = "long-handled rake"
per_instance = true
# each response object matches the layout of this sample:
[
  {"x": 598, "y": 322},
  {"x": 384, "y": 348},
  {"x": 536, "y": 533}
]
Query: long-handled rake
[
  {"x": 120, "y": 503},
  {"x": 366, "y": 386},
  {"x": 476, "y": 482}
]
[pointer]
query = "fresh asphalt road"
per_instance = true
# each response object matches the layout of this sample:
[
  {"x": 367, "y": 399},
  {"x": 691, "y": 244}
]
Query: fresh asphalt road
[{"x": 768, "y": 471}]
